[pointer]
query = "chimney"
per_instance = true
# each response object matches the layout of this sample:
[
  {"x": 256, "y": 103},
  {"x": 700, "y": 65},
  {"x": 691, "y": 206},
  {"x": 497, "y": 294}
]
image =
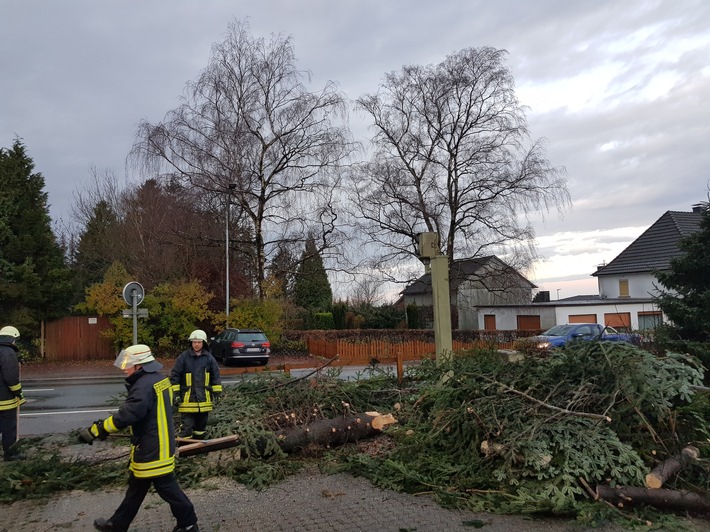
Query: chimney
[{"x": 698, "y": 207}]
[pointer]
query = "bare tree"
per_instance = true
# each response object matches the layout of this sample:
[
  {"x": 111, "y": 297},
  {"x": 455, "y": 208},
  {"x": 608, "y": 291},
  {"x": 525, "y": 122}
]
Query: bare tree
[
  {"x": 249, "y": 120},
  {"x": 453, "y": 156}
]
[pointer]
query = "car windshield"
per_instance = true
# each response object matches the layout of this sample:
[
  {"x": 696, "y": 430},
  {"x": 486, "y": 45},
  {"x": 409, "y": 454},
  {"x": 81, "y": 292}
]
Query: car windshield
[
  {"x": 252, "y": 337},
  {"x": 559, "y": 330}
]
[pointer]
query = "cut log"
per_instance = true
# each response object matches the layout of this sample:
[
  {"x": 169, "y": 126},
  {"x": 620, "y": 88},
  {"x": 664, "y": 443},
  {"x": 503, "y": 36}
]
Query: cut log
[
  {"x": 666, "y": 469},
  {"x": 329, "y": 432},
  {"x": 205, "y": 446},
  {"x": 683, "y": 501}
]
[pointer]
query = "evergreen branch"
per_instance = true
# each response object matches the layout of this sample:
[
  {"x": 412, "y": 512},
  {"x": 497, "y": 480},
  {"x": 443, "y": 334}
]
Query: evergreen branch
[{"x": 549, "y": 406}]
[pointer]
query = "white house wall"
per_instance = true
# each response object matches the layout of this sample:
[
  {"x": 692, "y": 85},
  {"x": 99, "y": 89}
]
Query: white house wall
[
  {"x": 507, "y": 317},
  {"x": 640, "y": 285},
  {"x": 563, "y": 312}
]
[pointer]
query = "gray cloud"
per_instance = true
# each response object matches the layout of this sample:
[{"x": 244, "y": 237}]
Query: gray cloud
[{"x": 78, "y": 76}]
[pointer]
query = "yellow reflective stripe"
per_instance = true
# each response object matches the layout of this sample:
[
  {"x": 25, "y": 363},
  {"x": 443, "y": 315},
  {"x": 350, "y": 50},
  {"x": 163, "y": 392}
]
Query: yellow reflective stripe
[
  {"x": 207, "y": 378},
  {"x": 155, "y": 468},
  {"x": 217, "y": 388},
  {"x": 9, "y": 404},
  {"x": 109, "y": 425},
  {"x": 175, "y": 388},
  {"x": 15, "y": 388},
  {"x": 188, "y": 379},
  {"x": 163, "y": 428},
  {"x": 191, "y": 408}
]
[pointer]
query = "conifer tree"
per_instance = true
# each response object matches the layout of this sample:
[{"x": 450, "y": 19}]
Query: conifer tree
[
  {"x": 686, "y": 301},
  {"x": 685, "y": 298},
  {"x": 34, "y": 278},
  {"x": 312, "y": 288},
  {"x": 94, "y": 252}
]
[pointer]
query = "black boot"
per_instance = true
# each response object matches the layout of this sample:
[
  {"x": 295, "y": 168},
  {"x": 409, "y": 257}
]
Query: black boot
[
  {"x": 191, "y": 528},
  {"x": 14, "y": 456},
  {"x": 107, "y": 524}
]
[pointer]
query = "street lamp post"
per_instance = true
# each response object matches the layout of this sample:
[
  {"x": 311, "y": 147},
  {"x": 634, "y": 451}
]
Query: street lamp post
[
  {"x": 232, "y": 186},
  {"x": 558, "y": 293}
]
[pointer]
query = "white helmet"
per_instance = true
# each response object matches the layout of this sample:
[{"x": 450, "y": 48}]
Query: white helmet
[
  {"x": 135, "y": 355},
  {"x": 198, "y": 334},
  {"x": 9, "y": 330}
]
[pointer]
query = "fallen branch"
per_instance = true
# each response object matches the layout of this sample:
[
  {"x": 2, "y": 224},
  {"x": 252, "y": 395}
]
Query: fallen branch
[
  {"x": 292, "y": 381},
  {"x": 205, "y": 446},
  {"x": 549, "y": 406},
  {"x": 685, "y": 501},
  {"x": 666, "y": 469}
]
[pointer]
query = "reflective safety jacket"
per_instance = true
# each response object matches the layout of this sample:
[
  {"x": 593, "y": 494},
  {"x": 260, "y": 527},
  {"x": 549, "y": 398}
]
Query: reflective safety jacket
[
  {"x": 10, "y": 386},
  {"x": 196, "y": 378},
  {"x": 148, "y": 411}
]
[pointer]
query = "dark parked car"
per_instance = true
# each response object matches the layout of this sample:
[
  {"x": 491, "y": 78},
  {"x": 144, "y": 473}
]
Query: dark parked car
[{"x": 241, "y": 346}]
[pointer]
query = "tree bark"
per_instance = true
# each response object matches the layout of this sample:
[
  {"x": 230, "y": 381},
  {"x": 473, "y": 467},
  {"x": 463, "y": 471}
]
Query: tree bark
[
  {"x": 658, "y": 498},
  {"x": 325, "y": 432},
  {"x": 329, "y": 432},
  {"x": 666, "y": 469}
]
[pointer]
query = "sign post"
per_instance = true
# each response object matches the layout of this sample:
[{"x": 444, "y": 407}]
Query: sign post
[{"x": 133, "y": 295}]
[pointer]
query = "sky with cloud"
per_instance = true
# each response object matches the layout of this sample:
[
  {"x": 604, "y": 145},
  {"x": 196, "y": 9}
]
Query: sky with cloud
[{"x": 618, "y": 89}]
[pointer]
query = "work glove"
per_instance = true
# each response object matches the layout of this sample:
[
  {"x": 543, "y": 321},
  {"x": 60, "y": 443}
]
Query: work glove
[
  {"x": 177, "y": 400},
  {"x": 21, "y": 397},
  {"x": 96, "y": 430},
  {"x": 216, "y": 397},
  {"x": 85, "y": 436}
]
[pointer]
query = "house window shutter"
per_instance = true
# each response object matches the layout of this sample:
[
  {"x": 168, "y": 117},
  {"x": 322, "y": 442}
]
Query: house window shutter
[
  {"x": 582, "y": 318},
  {"x": 623, "y": 288}
]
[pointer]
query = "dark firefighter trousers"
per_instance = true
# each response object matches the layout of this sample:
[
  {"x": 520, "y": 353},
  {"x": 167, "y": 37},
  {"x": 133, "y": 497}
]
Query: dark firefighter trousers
[
  {"x": 169, "y": 490},
  {"x": 8, "y": 427}
]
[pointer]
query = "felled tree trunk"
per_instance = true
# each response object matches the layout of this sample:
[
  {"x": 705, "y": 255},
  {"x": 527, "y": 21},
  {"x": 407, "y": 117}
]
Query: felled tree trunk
[
  {"x": 658, "y": 498},
  {"x": 671, "y": 466},
  {"x": 329, "y": 432},
  {"x": 325, "y": 432}
]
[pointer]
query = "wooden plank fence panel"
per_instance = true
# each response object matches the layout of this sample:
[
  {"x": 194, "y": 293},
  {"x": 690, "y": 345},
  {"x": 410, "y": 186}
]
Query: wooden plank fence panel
[
  {"x": 78, "y": 338},
  {"x": 362, "y": 353}
]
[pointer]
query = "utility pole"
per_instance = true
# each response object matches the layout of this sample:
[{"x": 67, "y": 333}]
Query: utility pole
[{"x": 438, "y": 264}]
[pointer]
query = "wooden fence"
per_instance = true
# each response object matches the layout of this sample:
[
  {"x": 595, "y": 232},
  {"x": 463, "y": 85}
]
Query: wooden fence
[
  {"x": 363, "y": 353},
  {"x": 77, "y": 338}
]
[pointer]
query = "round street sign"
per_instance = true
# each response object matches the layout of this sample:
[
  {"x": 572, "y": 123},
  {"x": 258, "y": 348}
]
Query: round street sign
[{"x": 128, "y": 293}]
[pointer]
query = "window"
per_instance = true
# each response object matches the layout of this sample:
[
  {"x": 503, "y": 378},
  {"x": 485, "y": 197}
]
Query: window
[
  {"x": 623, "y": 288},
  {"x": 649, "y": 320}
]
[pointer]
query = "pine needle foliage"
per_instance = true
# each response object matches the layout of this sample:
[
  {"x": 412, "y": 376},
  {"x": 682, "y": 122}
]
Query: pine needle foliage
[{"x": 478, "y": 433}]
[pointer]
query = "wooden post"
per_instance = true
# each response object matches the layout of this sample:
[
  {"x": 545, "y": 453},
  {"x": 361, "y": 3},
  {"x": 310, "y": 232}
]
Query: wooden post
[{"x": 400, "y": 367}]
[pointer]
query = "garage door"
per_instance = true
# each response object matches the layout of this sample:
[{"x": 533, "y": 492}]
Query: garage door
[{"x": 528, "y": 323}]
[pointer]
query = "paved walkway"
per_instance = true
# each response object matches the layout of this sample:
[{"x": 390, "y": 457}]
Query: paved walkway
[{"x": 308, "y": 502}]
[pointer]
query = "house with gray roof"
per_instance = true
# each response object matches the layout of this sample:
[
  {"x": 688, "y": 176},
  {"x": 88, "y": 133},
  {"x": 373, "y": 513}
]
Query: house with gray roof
[
  {"x": 472, "y": 283},
  {"x": 627, "y": 285}
]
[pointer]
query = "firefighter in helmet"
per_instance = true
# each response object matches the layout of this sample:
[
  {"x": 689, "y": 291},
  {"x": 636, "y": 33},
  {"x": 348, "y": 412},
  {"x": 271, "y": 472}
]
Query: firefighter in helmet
[
  {"x": 10, "y": 391},
  {"x": 197, "y": 385},
  {"x": 149, "y": 414}
]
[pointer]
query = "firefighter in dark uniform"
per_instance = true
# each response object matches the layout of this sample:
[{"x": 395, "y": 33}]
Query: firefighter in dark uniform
[
  {"x": 197, "y": 385},
  {"x": 149, "y": 414},
  {"x": 10, "y": 391}
]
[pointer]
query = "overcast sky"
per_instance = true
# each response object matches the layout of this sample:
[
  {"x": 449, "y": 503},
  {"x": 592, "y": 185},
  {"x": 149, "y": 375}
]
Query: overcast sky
[{"x": 619, "y": 88}]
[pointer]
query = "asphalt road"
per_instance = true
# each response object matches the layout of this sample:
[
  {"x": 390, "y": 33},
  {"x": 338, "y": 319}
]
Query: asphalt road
[{"x": 63, "y": 404}]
